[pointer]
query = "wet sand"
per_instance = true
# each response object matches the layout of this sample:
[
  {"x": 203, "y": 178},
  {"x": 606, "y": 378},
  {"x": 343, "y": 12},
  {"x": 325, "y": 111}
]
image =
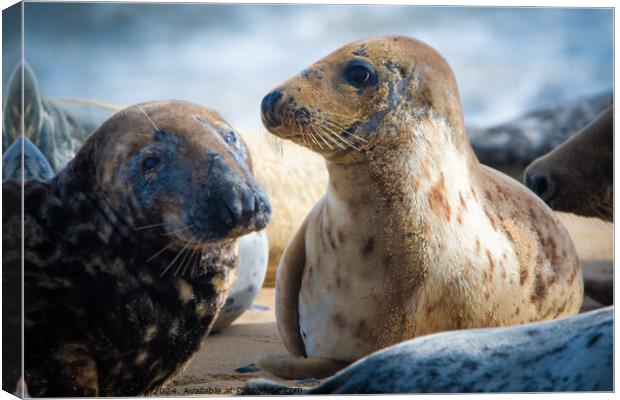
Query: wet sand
[{"x": 225, "y": 361}]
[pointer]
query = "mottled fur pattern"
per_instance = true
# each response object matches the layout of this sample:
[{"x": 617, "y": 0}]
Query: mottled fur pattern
[
  {"x": 105, "y": 314},
  {"x": 413, "y": 236},
  {"x": 564, "y": 355}
]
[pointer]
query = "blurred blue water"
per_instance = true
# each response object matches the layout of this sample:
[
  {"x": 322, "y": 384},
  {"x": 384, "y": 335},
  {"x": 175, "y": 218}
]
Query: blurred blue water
[{"x": 506, "y": 60}]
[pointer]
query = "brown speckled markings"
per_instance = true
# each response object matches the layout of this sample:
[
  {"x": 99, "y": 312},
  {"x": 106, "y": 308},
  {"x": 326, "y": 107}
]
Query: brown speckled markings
[
  {"x": 108, "y": 310},
  {"x": 454, "y": 243}
]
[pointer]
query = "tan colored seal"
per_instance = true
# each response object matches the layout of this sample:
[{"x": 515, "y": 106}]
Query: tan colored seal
[{"x": 414, "y": 235}]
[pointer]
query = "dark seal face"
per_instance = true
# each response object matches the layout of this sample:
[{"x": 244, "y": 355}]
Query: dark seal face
[
  {"x": 181, "y": 167},
  {"x": 577, "y": 176},
  {"x": 129, "y": 251},
  {"x": 338, "y": 105}
]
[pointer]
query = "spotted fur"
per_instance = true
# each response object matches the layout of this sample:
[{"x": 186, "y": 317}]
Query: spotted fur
[
  {"x": 565, "y": 355},
  {"x": 105, "y": 314},
  {"x": 431, "y": 239}
]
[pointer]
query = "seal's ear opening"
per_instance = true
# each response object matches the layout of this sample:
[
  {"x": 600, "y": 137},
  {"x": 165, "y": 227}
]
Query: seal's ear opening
[{"x": 12, "y": 112}]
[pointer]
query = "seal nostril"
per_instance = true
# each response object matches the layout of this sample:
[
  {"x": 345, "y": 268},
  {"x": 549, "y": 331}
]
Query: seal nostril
[
  {"x": 541, "y": 186},
  {"x": 268, "y": 107}
]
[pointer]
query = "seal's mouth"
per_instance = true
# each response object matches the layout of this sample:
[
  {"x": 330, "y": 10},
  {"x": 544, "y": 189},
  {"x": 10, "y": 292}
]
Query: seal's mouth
[{"x": 229, "y": 212}]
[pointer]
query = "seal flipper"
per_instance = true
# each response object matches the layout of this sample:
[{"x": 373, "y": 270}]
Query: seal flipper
[
  {"x": 288, "y": 367},
  {"x": 288, "y": 284},
  {"x": 12, "y": 113}
]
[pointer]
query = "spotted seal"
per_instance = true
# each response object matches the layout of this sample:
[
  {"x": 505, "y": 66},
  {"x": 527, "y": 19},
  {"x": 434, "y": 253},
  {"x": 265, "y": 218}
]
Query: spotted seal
[
  {"x": 563, "y": 355},
  {"x": 128, "y": 251},
  {"x": 413, "y": 236}
]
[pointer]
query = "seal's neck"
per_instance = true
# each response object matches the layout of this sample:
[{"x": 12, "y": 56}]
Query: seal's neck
[
  {"x": 409, "y": 177},
  {"x": 86, "y": 203}
]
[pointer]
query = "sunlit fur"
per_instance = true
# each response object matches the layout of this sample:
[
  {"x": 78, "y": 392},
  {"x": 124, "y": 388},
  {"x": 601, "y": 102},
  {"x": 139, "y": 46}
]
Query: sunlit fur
[{"x": 413, "y": 235}]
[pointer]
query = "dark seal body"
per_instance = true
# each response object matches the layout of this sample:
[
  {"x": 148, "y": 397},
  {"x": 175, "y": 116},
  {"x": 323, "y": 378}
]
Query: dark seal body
[{"x": 105, "y": 314}]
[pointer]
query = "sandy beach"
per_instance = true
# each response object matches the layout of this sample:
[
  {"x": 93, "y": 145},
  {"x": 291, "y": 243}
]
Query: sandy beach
[{"x": 226, "y": 359}]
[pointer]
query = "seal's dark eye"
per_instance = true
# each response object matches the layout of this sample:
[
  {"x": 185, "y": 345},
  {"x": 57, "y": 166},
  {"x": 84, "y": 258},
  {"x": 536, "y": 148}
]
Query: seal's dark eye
[
  {"x": 230, "y": 138},
  {"x": 360, "y": 73},
  {"x": 150, "y": 163}
]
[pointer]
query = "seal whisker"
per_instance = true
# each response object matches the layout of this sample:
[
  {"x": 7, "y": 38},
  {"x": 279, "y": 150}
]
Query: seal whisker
[
  {"x": 148, "y": 118},
  {"x": 273, "y": 141},
  {"x": 348, "y": 117},
  {"x": 192, "y": 261},
  {"x": 139, "y": 228},
  {"x": 326, "y": 138},
  {"x": 330, "y": 136},
  {"x": 186, "y": 249},
  {"x": 303, "y": 136},
  {"x": 185, "y": 258},
  {"x": 338, "y": 136},
  {"x": 312, "y": 128},
  {"x": 160, "y": 251},
  {"x": 313, "y": 137},
  {"x": 178, "y": 230},
  {"x": 199, "y": 260},
  {"x": 343, "y": 129},
  {"x": 174, "y": 259}
]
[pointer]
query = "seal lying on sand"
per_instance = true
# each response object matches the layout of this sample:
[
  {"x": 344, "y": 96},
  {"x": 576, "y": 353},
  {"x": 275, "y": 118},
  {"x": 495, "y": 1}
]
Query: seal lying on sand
[
  {"x": 129, "y": 250},
  {"x": 34, "y": 163},
  {"x": 414, "y": 235},
  {"x": 577, "y": 177},
  {"x": 564, "y": 355}
]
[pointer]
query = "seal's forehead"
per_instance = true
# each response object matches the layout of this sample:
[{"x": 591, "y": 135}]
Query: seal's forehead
[
  {"x": 135, "y": 127},
  {"x": 189, "y": 120},
  {"x": 389, "y": 48}
]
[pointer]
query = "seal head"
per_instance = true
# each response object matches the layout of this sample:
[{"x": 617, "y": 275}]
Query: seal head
[
  {"x": 337, "y": 104},
  {"x": 191, "y": 176},
  {"x": 578, "y": 176}
]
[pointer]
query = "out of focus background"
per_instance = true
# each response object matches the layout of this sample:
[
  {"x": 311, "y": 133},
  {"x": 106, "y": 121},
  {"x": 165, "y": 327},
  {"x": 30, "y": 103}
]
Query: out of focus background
[{"x": 506, "y": 60}]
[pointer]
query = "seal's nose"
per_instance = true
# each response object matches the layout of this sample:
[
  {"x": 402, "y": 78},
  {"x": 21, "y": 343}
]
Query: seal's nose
[
  {"x": 540, "y": 183},
  {"x": 245, "y": 207},
  {"x": 268, "y": 108}
]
